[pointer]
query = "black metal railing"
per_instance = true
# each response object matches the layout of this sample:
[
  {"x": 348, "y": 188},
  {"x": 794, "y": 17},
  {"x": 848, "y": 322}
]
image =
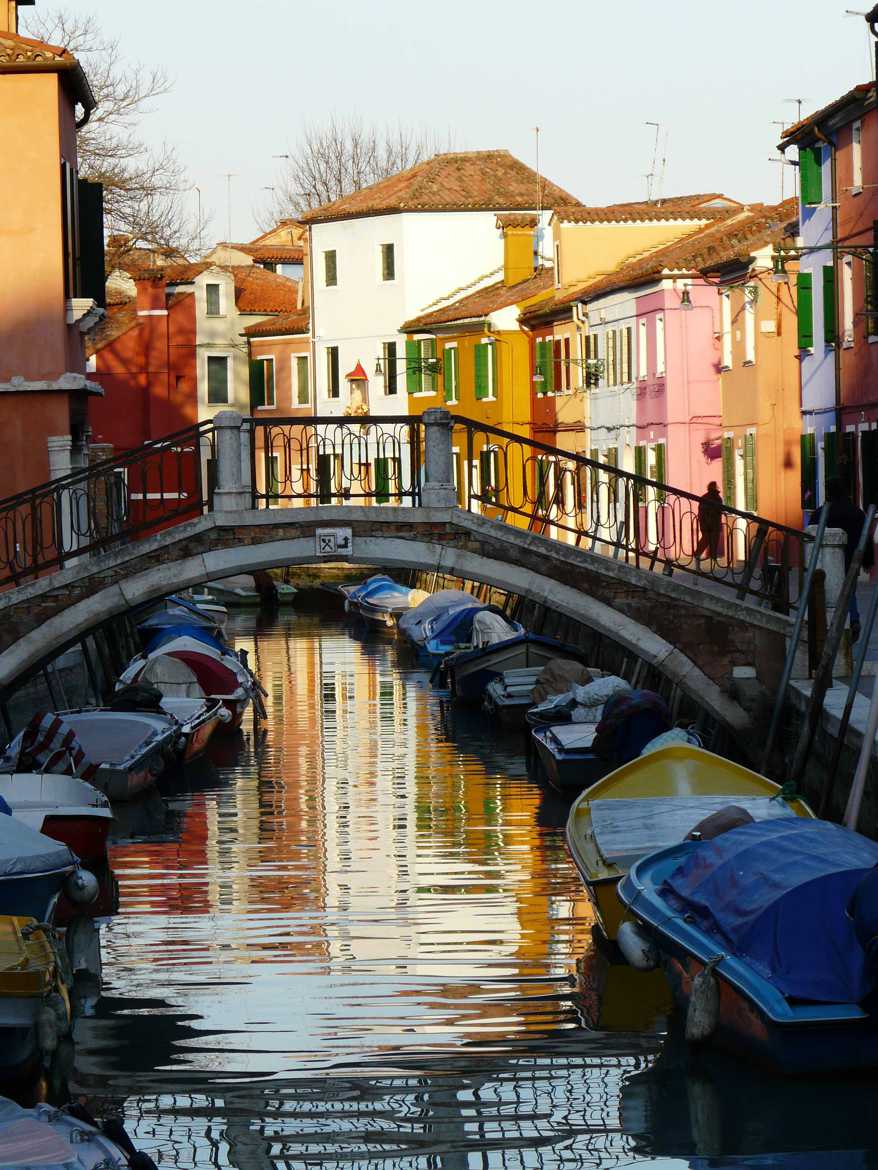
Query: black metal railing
[
  {"x": 98, "y": 507},
  {"x": 601, "y": 507},
  {"x": 346, "y": 460}
]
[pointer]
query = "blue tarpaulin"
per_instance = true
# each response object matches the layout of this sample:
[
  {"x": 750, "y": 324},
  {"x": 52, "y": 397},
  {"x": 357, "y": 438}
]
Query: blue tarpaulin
[
  {"x": 162, "y": 637},
  {"x": 776, "y": 893}
]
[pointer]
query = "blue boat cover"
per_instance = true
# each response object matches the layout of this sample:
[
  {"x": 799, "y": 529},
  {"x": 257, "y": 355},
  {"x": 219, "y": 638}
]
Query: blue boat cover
[
  {"x": 369, "y": 584},
  {"x": 414, "y": 623},
  {"x": 456, "y": 624},
  {"x": 161, "y": 637},
  {"x": 776, "y": 894}
]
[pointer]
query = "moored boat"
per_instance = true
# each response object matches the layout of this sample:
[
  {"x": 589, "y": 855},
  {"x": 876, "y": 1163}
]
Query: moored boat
[
  {"x": 567, "y": 756},
  {"x": 767, "y": 936},
  {"x": 64, "y": 808},
  {"x": 383, "y": 600},
  {"x": 457, "y": 628},
  {"x": 654, "y": 801},
  {"x": 511, "y": 695},
  {"x": 65, "y": 1139},
  {"x": 34, "y": 870},
  {"x": 413, "y": 625},
  {"x": 470, "y": 672},
  {"x": 197, "y": 717},
  {"x": 34, "y": 1002}
]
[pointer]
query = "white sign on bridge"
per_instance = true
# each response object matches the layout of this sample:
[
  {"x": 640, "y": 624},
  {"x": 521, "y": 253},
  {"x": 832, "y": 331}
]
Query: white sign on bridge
[{"x": 334, "y": 542}]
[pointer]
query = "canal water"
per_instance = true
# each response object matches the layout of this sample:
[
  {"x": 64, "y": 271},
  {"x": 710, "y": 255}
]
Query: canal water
[{"x": 352, "y": 937}]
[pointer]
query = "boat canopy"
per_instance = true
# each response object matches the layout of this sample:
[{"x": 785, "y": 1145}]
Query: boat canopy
[
  {"x": 380, "y": 579},
  {"x": 413, "y": 623},
  {"x": 24, "y": 851},
  {"x": 456, "y": 623},
  {"x": 198, "y": 633},
  {"x": 177, "y": 612},
  {"x": 776, "y": 893}
]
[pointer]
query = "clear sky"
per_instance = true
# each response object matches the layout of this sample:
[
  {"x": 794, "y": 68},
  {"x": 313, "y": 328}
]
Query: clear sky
[{"x": 590, "y": 73}]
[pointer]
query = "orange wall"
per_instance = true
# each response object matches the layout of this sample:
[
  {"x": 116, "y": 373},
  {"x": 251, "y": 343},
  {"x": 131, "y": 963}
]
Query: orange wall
[
  {"x": 28, "y": 419},
  {"x": 34, "y": 337}
]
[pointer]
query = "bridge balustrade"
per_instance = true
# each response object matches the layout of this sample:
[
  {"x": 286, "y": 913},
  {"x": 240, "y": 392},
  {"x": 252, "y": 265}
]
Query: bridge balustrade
[{"x": 431, "y": 460}]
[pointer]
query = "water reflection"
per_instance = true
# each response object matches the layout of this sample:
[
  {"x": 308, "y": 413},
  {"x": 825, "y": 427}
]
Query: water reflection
[{"x": 356, "y": 939}]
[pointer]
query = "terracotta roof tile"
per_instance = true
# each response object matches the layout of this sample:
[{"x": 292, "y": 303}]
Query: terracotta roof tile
[
  {"x": 119, "y": 319},
  {"x": 479, "y": 304},
  {"x": 857, "y": 94},
  {"x": 270, "y": 253},
  {"x": 692, "y": 207},
  {"x": 282, "y": 325},
  {"x": 260, "y": 291},
  {"x": 470, "y": 181},
  {"x": 20, "y": 54},
  {"x": 285, "y": 231},
  {"x": 517, "y": 220},
  {"x": 734, "y": 237}
]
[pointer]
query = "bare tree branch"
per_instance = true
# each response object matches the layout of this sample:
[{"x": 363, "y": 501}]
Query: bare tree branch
[
  {"x": 144, "y": 187},
  {"x": 339, "y": 156}
]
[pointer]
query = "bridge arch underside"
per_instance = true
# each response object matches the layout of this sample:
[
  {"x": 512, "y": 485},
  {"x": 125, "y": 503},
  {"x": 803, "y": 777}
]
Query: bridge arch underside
[{"x": 42, "y": 618}]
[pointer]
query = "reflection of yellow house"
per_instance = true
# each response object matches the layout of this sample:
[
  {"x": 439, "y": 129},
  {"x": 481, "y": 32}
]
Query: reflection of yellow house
[{"x": 483, "y": 369}]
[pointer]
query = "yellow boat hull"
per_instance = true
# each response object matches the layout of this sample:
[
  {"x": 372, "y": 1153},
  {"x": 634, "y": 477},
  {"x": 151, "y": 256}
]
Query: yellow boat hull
[{"x": 678, "y": 771}]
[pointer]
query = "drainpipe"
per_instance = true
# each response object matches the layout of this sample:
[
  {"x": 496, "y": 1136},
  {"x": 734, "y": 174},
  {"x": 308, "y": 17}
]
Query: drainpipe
[{"x": 839, "y": 324}]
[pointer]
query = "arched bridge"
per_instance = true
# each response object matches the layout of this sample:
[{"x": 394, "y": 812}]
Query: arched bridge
[{"x": 609, "y": 549}]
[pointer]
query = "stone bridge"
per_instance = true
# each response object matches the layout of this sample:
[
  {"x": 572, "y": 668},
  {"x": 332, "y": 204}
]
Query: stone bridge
[{"x": 694, "y": 636}]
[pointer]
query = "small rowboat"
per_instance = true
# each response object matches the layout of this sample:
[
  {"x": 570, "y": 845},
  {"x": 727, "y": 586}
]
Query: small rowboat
[
  {"x": 470, "y": 672},
  {"x": 64, "y": 808},
  {"x": 767, "y": 934},
  {"x": 564, "y": 750},
  {"x": 652, "y": 802}
]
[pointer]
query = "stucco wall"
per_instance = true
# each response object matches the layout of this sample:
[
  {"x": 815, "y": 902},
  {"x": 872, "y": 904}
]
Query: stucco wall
[
  {"x": 222, "y": 335},
  {"x": 593, "y": 248}
]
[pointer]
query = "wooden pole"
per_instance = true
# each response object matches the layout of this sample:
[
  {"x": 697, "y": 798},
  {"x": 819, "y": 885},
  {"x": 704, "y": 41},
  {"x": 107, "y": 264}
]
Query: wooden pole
[{"x": 855, "y": 800}]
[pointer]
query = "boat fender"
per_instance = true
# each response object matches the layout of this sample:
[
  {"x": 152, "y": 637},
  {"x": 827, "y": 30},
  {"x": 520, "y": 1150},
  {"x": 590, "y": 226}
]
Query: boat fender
[
  {"x": 82, "y": 887},
  {"x": 702, "y": 1015},
  {"x": 57, "y": 1004},
  {"x": 637, "y": 949},
  {"x": 83, "y": 945},
  {"x": 47, "y": 1033},
  {"x": 225, "y": 715}
]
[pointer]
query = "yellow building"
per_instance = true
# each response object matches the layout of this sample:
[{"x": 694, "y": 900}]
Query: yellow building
[{"x": 471, "y": 356}]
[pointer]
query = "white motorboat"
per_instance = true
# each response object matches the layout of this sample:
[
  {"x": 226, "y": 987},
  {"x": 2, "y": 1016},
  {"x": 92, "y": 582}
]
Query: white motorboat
[
  {"x": 64, "y": 1139},
  {"x": 64, "y": 808}
]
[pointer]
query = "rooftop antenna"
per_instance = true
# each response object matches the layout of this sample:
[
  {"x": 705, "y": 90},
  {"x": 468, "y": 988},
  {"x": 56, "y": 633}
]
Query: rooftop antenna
[
  {"x": 660, "y": 188},
  {"x": 650, "y": 176},
  {"x": 783, "y": 126},
  {"x": 865, "y": 16},
  {"x": 229, "y": 175},
  {"x": 539, "y": 180},
  {"x": 799, "y": 102}
]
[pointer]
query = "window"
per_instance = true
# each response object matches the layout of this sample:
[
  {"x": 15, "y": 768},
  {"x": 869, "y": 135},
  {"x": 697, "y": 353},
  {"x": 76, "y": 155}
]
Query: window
[
  {"x": 330, "y": 269},
  {"x": 829, "y": 323},
  {"x": 857, "y": 157},
  {"x": 544, "y": 380},
  {"x": 725, "y": 324},
  {"x": 485, "y": 370},
  {"x": 303, "y": 390},
  {"x": 70, "y": 225},
  {"x": 610, "y": 364},
  {"x": 847, "y": 299},
  {"x": 273, "y": 477},
  {"x": 213, "y": 296},
  {"x": 386, "y": 479},
  {"x": 333, "y": 384},
  {"x": 805, "y": 310},
  {"x": 729, "y": 471},
  {"x": 659, "y": 344},
  {"x": 750, "y": 295},
  {"x": 810, "y": 177},
  {"x": 593, "y": 357},
  {"x": 261, "y": 382},
  {"x": 450, "y": 372},
  {"x": 489, "y": 472},
  {"x": 420, "y": 366},
  {"x": 388, "y": 263},
  {"x": 641, "y": 350},
  {"x": 388, "y": 366},
  {"x": 809, "y": 470},
  {"x": 559, "y": 372},
  {"x": 625, "y": 337},
  {"x": 217, "y": 379}
]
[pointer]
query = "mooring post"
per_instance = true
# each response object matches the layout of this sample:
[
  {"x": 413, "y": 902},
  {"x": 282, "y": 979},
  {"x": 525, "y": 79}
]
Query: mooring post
[
  {"x": 232, "y": 493},
  {"x": 830, "y": 558},
  {"x": 438, "y": 490}
]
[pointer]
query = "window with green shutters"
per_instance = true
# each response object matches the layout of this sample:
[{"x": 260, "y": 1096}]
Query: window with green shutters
[
  {"x": 543, "y": 474},
  {"x": 213, "y": 296},
  {"x": 428, "y": 365},
  {"x": 303, "y": 390},
  {"x": 750, "y": 473},
  {"x": 217, "y": 379},
  {"x": 483, "y": 362},
  {"x": 420, "y": 366},
  {"x": 257, "y": 384},
  {"x": 729, "y": 471},
  {"x": 809, "y": 470},
  {"x": 333, "y": 381},
  {"x": 640, "y": 469},
  {"x": 449, "y": 372},
  {"x": 830, "y": 458},
  {"x": 330, "y": 269},
  {"x": 388, "y": 262},
  {"x": 829, "y": 325},
  {"x": 325, "y": 467},
  {"x": 805, "y": 310},
  {"x": 489, "y": 460},
  {"x": 810, "y": 176},
  {"x": 412, "y": 372},
  {"x": 660, "y": 472},
  {"x": 388, "y": 367},
  {"x": 386, "y": 479},
  {"x": 273, "y": 476},
  {"x": 546, "y": 366}
]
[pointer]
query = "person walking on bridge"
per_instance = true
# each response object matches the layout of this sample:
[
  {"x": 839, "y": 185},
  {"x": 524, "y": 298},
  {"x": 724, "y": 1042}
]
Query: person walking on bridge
[{"x": 710, "y": 520}]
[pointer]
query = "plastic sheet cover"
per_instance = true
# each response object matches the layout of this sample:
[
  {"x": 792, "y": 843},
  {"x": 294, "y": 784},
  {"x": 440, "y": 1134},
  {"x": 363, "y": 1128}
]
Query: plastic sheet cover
[
  {"x": 196, "y": 633},
  {"x": 412, "y": 623},
  {"x": 776, "y": 894},
  {"x": 628, "y": 829},
  {"x": 24, "y": 851}
]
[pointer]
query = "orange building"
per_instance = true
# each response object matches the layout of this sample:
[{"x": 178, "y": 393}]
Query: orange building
[{"x": 51, "y": 259}]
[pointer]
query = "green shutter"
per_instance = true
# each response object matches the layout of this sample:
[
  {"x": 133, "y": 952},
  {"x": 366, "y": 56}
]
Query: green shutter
[
  {"x": 729, "y": 471},
  {"x": 486, "y": 468},
  {"x": 809, "y": 470},
  {"x": 805, "y": 309},
  {"x": 428, "y": 354},
  {"x": 480, "y": 359},
  {"x": 830, "y": 457},
  {"x": 449, "y": 381},
  {"x": 660, "y": 470},
  {"x": 750, "y": 473},
  {"x": 324, "y": 478},
  {"x": 382, "y": 480},
  {"x": 257, "y": 384},
  {"x": 540, "y": 366},
  {"x": 302, "y": 388},
  {"x": 810, "y": 177},
  {"x": 639, "y": 469},
  {"x": 829, "y": 335},
  {"x": 412, "y": 372}
]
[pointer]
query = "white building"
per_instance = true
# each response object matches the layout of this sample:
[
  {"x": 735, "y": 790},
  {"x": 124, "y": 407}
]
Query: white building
[{"x": 392, "y": 251}]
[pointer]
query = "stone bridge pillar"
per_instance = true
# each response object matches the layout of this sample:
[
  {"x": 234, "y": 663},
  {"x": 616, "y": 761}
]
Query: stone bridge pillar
[
  {"x": 232, "y": 492},
  {"x": 438, "y": 490}
]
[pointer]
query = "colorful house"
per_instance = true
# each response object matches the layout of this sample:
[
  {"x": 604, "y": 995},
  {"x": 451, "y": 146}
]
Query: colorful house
[
  {"x": 51, "y": 260},
  {"x": 483, "y": 367}
]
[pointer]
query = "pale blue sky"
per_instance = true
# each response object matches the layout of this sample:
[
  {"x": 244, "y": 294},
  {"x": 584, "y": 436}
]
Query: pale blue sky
[{"x": 590, "y": 73}]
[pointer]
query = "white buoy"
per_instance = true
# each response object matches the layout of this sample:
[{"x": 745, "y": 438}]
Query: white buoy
[
  {"x": 637, "y": 949},
  {"x": 82, "y": 887},
  {"x": 702, "y": 1015}
]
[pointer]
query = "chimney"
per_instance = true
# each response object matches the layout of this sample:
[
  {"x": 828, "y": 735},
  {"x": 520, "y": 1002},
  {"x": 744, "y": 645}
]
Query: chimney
[
  {"x": 9, "y": 13},
  {"x": 518, "y": 246}
]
